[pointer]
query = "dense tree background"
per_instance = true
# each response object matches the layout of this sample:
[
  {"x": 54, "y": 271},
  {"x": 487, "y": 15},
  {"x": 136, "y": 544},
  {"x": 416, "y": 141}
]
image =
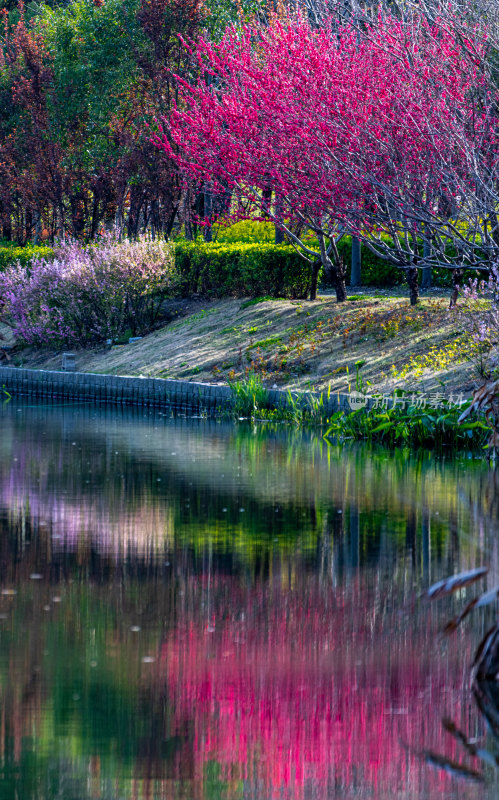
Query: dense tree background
[{"x": 78, "y": 83}]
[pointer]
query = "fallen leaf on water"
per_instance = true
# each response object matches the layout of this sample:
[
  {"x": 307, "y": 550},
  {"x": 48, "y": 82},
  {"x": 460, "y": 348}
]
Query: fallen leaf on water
[
  {"x": 488, "y": 597},
  {"x": 449, "y": 585}
]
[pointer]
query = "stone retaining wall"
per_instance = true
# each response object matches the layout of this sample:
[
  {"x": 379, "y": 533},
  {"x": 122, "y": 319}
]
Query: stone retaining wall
[{"x": 154, "y": 392}]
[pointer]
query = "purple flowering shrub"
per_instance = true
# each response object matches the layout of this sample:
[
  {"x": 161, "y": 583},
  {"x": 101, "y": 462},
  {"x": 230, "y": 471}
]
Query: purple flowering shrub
[
  {"x": 482, "y": 300},
  {"x": 88, "y": 294}
]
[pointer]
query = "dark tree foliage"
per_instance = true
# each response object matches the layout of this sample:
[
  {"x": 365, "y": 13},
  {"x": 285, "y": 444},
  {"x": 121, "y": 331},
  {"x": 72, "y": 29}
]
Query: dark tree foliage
[{"x": 78, "y": 82}]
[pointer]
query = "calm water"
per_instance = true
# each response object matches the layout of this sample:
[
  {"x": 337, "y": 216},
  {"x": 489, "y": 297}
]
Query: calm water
[{"x": 190, "y": 609}]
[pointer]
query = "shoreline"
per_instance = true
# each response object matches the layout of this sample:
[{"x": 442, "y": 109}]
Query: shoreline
[
  {"x": 151, "y": 392},
  {"x": 201, "y": 396},
  {"x": 396, "y": 420}
]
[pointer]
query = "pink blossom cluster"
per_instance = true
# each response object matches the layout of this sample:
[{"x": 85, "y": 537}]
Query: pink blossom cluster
[
  {"x": 386, "y": 132},
  {"x": 88, "y": 294}
]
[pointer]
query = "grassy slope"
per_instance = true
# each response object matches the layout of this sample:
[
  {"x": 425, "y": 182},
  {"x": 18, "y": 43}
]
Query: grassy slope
[{"x": 296, "y": 343}]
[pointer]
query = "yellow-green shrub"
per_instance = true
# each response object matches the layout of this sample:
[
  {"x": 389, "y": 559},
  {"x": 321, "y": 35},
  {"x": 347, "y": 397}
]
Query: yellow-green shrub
[
  {"x": 246, "y": 231},
  {"x": 11, "y": 253}
]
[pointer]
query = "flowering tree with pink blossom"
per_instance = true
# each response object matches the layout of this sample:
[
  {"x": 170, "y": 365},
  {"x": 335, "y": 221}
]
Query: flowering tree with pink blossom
[
  {"x": 371, "y": 135},
  {"x": 248, "y": 126},
  {"x": 433, "y": 130},
  {"x": 454, "y": 218}
]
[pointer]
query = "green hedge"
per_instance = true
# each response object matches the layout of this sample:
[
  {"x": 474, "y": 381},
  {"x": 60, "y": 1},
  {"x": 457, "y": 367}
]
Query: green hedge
[
  {"x": 239, "y": 270},
  {"x": 377, "y": 272},
  {"x": 10, "y": 253}
]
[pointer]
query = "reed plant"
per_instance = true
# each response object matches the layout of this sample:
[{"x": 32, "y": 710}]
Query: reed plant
[
  {"x": 409, "y": 425},
  {"x": 249, "y": 395}
]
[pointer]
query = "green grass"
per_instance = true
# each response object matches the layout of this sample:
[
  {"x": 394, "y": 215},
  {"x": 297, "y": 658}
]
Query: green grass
[
  {"x": 255, "y": 301},
  {"x": 264, "y": 343}
]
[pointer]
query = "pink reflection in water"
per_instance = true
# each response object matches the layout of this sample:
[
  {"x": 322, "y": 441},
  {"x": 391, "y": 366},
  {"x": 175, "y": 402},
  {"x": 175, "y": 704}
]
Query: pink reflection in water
[{"x": 303, "y": 699}]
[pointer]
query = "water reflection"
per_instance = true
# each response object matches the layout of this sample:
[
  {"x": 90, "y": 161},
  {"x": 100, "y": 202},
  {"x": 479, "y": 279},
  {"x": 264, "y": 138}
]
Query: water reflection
[{"x": 191, "y": 609}]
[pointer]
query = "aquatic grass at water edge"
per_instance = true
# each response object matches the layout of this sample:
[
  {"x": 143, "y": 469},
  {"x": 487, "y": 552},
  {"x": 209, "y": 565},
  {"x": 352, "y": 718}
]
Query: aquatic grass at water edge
[{"x": 424, "y": 427}]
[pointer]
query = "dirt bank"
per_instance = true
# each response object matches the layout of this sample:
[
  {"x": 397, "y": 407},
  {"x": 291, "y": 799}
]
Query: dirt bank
[{"x": 296, "y": 344}]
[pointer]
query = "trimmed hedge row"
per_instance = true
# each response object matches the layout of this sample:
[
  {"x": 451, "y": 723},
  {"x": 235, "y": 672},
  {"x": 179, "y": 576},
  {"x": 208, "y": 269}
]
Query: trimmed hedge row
[
  {"x": 241, "y": 269},
  {"x": 221, "y": 270},
  {"x": 377, "y": 272}
]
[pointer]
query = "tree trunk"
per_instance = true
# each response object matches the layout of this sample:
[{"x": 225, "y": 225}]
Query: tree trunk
[
  {"x": 171, "y": 221},
  {"x": 77, "y": 216},
  {"x": 38, "y": 227},
  {"x": 426, "y": 280},
  {"x": 355, "y": 275},
  {"x": 316, "y": 265},
  {"x": 119, "y": 217},
  {"x": 278, "y": 232},
  {"x": 136, "y": 203},
  {"x": 340, "y": 283},
  {"x": 7, "y": 227},
  {"x": 412, "y": 280},
  {"x": 336, "y": 274},
  {"x": 94, "y": 225},
  {"x": 208, "y": 212},
  {"x": 186, "y": 214},
  {"x": 457, "y": 275},
  {"x": 28, "y": 221},
  {"x": 334, "y": 269},
  {"x": 18, "y": 220},
  {"x": 426, "y": 276}
]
